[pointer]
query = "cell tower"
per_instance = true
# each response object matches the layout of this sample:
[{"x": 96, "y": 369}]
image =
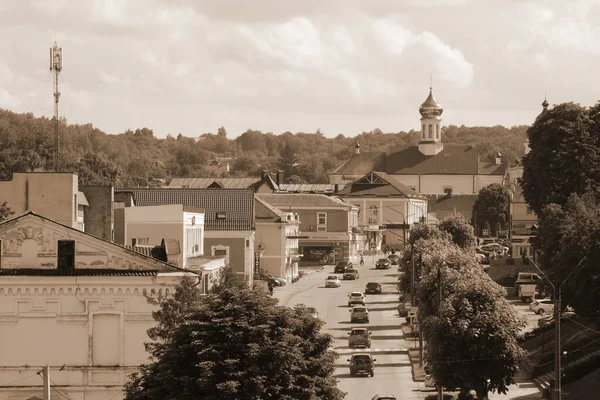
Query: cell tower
[{"x": 56, "y": 67}]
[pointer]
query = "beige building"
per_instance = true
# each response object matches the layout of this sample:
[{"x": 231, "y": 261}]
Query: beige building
[
  {"x": 180, "y": 226},
  {"x": 228, "y": 219},
  {"x": 328, "y": 226},
  {"x": 523, "y": 220},
  {"x": 387, "y": 209},
  {"x": 76, "y": 303},
  {"x": 277, "y": 234},
  {"x": 54, "y": 194},
  {"x": 430, "y": 168}
]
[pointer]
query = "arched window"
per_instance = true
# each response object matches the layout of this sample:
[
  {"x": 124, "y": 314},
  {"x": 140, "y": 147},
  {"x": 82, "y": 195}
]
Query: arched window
[
  {"x": 437, "y": 132},
  {"x": 424, "y": 131},
  {"x": 430, "y": 132}
]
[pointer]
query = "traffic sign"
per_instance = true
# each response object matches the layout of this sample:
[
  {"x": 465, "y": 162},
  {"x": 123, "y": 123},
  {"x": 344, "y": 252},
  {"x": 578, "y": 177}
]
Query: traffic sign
[{"x": 373, "y": 245}]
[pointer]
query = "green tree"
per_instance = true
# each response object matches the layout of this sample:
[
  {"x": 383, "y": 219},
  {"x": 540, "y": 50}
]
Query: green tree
[
  {"x": 460, "y": 230},
  {"x": 239, "y": 344},
  {"x": 470, "y": 328},
  {"x": 564, "y": 156},
  {"x": 288, "y": 160},
  {"x": 5, "y": 211},
  {"x": 491, "y": 206},
  {"x": 95, "y": 169}
]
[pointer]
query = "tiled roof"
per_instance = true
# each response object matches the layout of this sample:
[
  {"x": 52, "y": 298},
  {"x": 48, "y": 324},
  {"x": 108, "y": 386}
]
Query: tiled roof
[
  {"x": 76, "y": 272},
  {"x": 282, "y": 200},
  {"x": 236, "y": 204},
  {"x": 307, "y": 188},
  {"x": 442, "y": 205},
  {"x": 378, "y": 184},
  {"x": 203, "y": 183},
  {"x": 452, "y": 160},
  {"x": 361, "y": 164}
]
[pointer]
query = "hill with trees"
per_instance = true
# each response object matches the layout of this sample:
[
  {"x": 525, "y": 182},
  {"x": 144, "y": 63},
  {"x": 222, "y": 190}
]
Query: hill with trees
[{"x": 138, "y": 158}]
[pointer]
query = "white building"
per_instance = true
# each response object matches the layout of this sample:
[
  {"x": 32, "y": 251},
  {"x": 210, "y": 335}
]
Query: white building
[{"x": 76, "y": 303}]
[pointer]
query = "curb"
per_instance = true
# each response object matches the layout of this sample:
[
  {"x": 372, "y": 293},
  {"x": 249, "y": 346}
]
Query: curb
[{"x": 414, "y": 363}]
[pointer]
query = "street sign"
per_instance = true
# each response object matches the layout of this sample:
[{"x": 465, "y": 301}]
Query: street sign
[
  {"x": 256, "y": 263},
  {"x": 373, "y": 245},
  {"x": 412, "y": 315}
]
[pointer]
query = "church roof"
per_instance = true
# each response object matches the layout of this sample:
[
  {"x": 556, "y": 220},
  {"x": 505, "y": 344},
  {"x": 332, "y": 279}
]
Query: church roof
[
  {"x": 360, "y": 164},
  {"x": 452, "y": 160},
  {"x": 443, "y": 205}
]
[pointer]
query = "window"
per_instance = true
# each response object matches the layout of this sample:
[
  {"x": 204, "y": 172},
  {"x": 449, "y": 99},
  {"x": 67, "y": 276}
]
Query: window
[
  {"x": 221, "y": 215},
  {"x": 322, "y": 218},
  {"x": 430, "y": 131},
  {"x": 373, "y": 214},
  {"x": 193, "y": 240},
  {"x": 437, "y": 131},
  {"x": 220, "y": 251},
  {"x": 529, "y": 210},
  {"x": 322, "y": 228},
  {"x": 66, "y": 254},
  {"x": 424, "y": 130},
  {"x": 140, "y": 241}
]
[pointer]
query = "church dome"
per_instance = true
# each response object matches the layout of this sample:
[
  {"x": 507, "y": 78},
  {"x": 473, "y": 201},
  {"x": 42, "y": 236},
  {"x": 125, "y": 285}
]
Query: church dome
[{"x": 430, "y": 107}]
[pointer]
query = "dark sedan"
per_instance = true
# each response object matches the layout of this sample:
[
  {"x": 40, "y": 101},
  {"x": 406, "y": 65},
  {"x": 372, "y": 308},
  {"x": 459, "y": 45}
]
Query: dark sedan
[
  {"x": 383, "y": 263},
  {"x": 373, "y": 288},
  {"x": 341, "y": 267}
]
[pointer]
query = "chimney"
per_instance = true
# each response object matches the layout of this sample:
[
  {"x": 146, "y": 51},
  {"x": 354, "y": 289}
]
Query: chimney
[
  {"x": 337, "y": 188},
  {"x": 357, "y": 148},
  {"x": 498, "y": 158},
  {"x": 279, "y": 177},
  {"x": 263, "y": 175}
]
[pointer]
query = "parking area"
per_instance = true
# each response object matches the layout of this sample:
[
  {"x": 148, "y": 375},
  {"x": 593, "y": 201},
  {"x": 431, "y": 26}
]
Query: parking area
[{"x": 523, "y": 308}]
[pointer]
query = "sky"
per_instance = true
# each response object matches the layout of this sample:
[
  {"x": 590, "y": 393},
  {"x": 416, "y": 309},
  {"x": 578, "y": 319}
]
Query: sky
[{"x": 341, "y": 66}]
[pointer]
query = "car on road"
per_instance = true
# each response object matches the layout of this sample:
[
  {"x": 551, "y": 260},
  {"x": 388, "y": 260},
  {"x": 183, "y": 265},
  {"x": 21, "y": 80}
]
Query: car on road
[
  {"x": 542, "y": 306},
  {"x": 383, "y": 263},
  {"x": 498, "y": 248},
  {"x": 356, "y": 298},
  {"x": 362, "y": 364},
  {"x": 384, "y": 397},
  {"x": 359, "y": 314},
  {"x": 359, "y": 337},
  {"x": 350, "y": 274},
  {"x": 394, "y": 259},
  {"x": 373, "y": 288},
  {"x": 341, "y": 267},
  {"x": 276, "y": 281},
  {"x": 332, "y": 281}
]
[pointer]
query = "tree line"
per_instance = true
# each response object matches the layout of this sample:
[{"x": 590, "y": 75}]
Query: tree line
[{"x": 138, "y": 158}]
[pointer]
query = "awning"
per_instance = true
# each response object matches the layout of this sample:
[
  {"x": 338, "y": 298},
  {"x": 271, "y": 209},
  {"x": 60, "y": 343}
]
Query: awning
[{"x": 82, "y": 200}]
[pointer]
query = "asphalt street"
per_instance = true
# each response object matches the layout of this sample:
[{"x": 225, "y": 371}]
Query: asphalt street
[{"x": 392, "y": 368}]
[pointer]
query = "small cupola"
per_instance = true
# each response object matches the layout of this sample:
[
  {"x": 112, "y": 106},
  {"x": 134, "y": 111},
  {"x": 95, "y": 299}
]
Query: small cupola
[
  {"x": 498, "y": 158},
  {"x": 357, "y": 148}
]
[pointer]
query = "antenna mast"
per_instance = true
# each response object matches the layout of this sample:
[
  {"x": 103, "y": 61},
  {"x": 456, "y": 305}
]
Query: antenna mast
[{"x": 55, "y": 68}]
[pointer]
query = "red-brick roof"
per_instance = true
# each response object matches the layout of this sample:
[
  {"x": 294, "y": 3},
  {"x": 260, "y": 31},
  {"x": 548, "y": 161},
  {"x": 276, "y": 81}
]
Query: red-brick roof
[{"x": 378, "y": 184}]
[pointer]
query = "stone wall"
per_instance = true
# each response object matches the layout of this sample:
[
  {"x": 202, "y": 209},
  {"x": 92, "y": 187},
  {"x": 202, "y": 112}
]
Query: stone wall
[{"x": 506, "y": 275}]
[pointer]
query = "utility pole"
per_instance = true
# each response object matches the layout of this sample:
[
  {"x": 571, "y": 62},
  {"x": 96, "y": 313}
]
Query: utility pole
[
  {"x": 557, "y": 345},
  {"x": 46, "y": 378},
  {"x": 439, "y": 277},
  {"x": 55, "y": 68}
]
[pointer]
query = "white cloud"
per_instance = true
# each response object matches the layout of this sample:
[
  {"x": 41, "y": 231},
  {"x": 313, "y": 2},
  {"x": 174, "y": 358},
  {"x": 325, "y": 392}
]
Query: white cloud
[
  {"x": 450, "y": 63},
  {"x": 8, "y": 101}
]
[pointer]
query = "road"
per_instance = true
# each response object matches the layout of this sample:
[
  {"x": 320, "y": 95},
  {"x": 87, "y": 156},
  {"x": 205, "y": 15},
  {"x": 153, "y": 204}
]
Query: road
[{"x": 392, "y": 368}]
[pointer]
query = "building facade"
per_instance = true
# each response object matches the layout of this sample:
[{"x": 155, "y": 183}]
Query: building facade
[
  {"x": 328, "y": 230},
  {"x": 76, "y": 303},
  {"x": 228, "y": 219},
  {"x": 182, "y": 226},
  {"x": 386, "y": 209},
  {"x": 430, "y": 168},
  {"x": 277, "y": 235}
]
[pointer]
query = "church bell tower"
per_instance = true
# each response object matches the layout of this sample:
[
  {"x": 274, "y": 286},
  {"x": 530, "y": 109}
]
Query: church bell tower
[{"x": 431, "y": 135}]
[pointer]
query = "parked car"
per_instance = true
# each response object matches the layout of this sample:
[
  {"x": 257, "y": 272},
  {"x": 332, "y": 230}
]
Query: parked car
[
  {"x": 383, "y": 263},
  {"x": 394, "y": 259},
  {"x": 384, "y": 397},
  {"x": 498, "y": 248},
  {"x": 350, "y": 274},
  {"x": 362, "y": 364},
  {"x": 356, "y": 298},
  {"x": 359, "y": 337},
  {"x": 359, "y": 314},
  {"x": 373, "y": 288},
  {"x": 332, "y": 281},
  {"x": 549, "y": 319},
  {"x": 341, "y": 267},
  {"x": 542, "y": 306},
  {"x": 276, "y": 281}
]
